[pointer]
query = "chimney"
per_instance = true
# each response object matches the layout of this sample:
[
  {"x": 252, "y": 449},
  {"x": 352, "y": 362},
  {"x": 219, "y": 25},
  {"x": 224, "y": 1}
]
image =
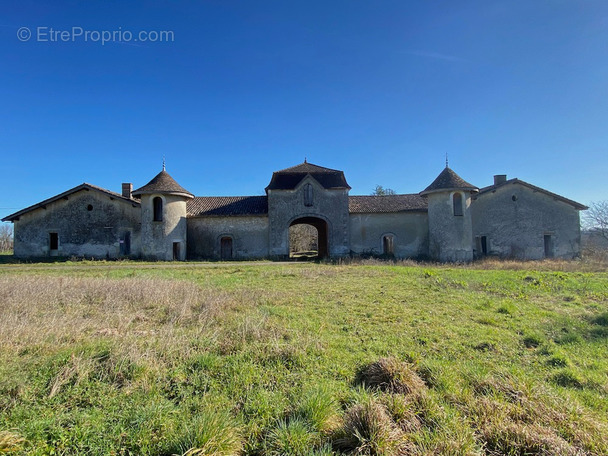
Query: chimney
[
  {"x": 500, "y": 179},
  {"x": 127, "y": 188}
]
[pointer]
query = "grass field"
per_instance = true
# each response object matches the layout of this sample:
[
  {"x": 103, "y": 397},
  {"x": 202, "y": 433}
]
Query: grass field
[{"x": 303, "y": 359}]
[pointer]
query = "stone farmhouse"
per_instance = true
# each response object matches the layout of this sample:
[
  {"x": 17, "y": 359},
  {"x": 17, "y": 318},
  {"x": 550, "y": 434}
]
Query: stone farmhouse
[{"x": 450, "y": 221}]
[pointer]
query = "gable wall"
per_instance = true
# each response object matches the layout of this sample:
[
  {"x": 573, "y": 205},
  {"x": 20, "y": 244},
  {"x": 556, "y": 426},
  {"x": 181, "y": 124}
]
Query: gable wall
[
  {"x": 517, "y": 228},
  {"x": 83, "y": 233}
]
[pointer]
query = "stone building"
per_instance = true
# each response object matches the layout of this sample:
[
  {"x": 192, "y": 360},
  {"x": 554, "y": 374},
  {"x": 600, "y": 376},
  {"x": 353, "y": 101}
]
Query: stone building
[{"x": 451, "y": 220}]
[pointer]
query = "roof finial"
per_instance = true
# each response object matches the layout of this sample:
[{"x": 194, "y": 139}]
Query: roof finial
[
  {"x": 305, "y": 160},
  {"x": 163, "y": 163},
  {"x": 446, "y": 159}
]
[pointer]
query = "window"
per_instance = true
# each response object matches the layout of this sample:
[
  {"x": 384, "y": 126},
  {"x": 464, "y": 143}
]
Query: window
[
  {"x": 484, "y": 245},
  {"x": 53, "y": 241},
  {"x": 388, "y": 245},
  {"x": 158, "y": 209},
  {"x": 457, "y": 201},
  {"x": 90, "y": 207},
  {"x": 308, "y": 197}
]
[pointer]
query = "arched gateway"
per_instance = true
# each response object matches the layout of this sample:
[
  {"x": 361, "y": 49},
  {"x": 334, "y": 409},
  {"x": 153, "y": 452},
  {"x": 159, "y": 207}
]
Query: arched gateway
[{"x": 322, "y": 233}]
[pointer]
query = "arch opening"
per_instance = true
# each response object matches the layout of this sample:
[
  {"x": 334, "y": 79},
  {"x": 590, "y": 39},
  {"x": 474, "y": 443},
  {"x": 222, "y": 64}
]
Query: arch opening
[{"x": 308, "y": 238}]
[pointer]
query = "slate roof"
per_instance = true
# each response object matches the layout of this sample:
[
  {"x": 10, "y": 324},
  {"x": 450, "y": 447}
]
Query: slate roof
[
  {"x": 448, "y": 180},
  {"x": 227, "y": 205},
  {"x": 387, "y": 203},
  {"x": 65, "y": 195},
  {"x": 163, "y": 183},
  {"x": 492, "y": 188},
  {"x": 289, "y": 178}
]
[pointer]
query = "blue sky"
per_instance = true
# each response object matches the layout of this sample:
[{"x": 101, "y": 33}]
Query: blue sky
[{"x": 380, "y": 89}]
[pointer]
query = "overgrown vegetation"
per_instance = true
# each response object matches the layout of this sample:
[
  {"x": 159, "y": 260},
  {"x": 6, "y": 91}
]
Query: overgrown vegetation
[{"x": 303, "y": 359}]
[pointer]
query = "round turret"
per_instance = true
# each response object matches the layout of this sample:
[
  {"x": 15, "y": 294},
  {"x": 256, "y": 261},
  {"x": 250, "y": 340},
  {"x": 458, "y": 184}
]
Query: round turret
[
  {"x": 450, "y": 226},
  {"x": 163, "y": 218}
]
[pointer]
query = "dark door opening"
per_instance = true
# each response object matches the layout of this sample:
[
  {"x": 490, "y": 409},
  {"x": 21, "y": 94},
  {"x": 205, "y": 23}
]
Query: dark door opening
[
  {"x": 226, "y": 248},
  {"x": 53, "y": 241},
  {"x": 176, "y": 251},
  {"x": 548, "y": 246},
  {"x": 484, "y": 245},
  {"x": 388, "y": 248},
  {"x": 308, "y": 238},
  {"x": 125, "y": 244}
]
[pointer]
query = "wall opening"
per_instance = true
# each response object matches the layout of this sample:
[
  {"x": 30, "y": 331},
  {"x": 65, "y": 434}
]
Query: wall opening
[
  {"x": 226, "y": 248},
  {"x": 388, "y": 245},
  {"x": 157, "y": 202},
  {"x": 457, "y": 202},
  {"x": 484, "y": 245},
  {"x": 308, "y": 195},
  {"x": 308, "y": 238},
  {"x": 53, "y": 241},
  {"x": 548, "y": 246},
  {"x": 176, "y": 251},
  {"x": 125, "y": 244}
]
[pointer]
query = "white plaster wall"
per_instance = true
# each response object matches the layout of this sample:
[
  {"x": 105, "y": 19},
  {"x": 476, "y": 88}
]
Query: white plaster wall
[{"x": 157, "y": 238}]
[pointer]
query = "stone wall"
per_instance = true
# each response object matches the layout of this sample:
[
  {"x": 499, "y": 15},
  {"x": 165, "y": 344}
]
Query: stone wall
[
  {"x": 409, "y": 231},
  {"x": 158, "y": 238},
  {"x": 249, "y": 236},
  {"x": 515, "y": 219},
  {"x": 450, "y": 236},
  {"x": 88, "y": 224}
]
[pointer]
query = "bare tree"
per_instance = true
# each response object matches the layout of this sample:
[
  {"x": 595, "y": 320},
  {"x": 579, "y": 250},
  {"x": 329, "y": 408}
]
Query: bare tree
[
  {"x": 302, "y": 238},
  {"x": 6, "y": 238},
  {"x": 381, "y": 191},
  {"x": 596, "y": 219}
]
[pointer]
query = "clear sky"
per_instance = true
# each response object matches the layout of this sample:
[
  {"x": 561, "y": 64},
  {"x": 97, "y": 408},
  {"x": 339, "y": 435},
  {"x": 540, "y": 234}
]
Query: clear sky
[{"x": 379, "y": 89}]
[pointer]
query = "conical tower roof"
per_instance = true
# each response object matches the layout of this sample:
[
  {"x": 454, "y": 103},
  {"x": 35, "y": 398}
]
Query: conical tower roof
[
  {"x": 163, "y": 183},
  {"x": 448, "y": 180}
]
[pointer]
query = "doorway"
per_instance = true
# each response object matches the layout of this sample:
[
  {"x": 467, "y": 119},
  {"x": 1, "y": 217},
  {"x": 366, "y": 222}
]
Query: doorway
[
  {"x": 308, "y": 238},
  {"x": 226, "y": 248}
]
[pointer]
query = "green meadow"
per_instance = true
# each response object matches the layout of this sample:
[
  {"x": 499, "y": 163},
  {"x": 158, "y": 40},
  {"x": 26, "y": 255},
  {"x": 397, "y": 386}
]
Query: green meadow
[{"x": 132, "y": 358}]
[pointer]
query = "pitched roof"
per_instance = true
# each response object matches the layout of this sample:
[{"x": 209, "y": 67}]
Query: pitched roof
[
  {"x": 64, "y": 195},
  {"x": 227, "y": 205},
  {"x": 387, "y": 203},
  {"x": 448, "y": 180},
  {"x": 289, "y": 178},
  {"x": 163, "y": 183},
  {"x": 492, "y": 188}
]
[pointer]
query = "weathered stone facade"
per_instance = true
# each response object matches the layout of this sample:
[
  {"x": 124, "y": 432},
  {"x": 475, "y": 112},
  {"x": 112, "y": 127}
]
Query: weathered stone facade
[{"x": 451, "y": 220}]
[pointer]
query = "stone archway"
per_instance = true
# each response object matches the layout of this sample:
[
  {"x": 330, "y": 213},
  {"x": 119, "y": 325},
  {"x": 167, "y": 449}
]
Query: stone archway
[{"x": 322, "y": 233}]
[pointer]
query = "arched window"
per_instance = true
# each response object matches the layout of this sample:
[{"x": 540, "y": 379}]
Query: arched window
[
  {"x": 308, "y": 199},
  {"x": 457, "y": 200},
  {"x": 158, "y": 209}
]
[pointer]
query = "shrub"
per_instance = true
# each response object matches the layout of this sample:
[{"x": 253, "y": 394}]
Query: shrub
[
  {"x": 291, "y": 437},
  {"x": 369, "y": 430},
  {"x": 392, "y": 375}
]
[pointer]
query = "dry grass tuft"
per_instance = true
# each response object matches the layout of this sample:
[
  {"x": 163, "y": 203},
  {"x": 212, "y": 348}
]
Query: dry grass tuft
[
  {"x": 369, "y": 430},
  {"x": 391, "y": 375},
  {"x": 10, "y": 442}
]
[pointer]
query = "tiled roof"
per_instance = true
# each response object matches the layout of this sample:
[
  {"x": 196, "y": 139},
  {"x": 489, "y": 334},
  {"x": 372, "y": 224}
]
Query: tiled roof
[
  {"x": 289, "y": 178},
  {"x": 64, "y": 195},
  {"x": 448, "y": 179},
  {"x": 491, "y": 188},
  {"x": 227, "y": 205},
  {"x": 387, "y": 203},
  {"x": 163, "y": 183}
]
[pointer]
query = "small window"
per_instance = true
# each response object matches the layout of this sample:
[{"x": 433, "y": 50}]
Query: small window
[
  {"x": 514, "y": 198},
  {"x": 457, "y": 201},
  {"x": 484, "y": 245},
  {"x": 388, "y": 247},
  {"x": 308, "y": 196},
  {"x": 158, "y": 209},
  {"x": 90, "y": 207},
  {"x": 53, "y": 241}
]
